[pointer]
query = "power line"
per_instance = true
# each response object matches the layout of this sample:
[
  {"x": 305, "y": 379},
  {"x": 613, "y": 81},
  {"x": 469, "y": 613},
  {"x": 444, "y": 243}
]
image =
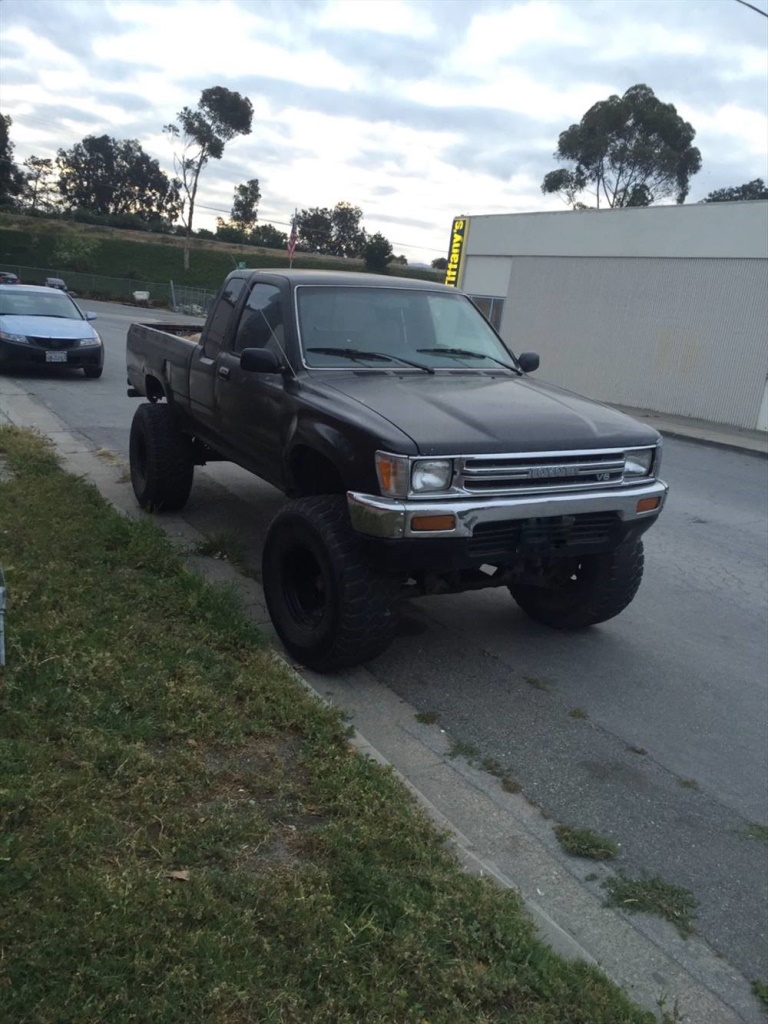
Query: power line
[{"x": 753, "y": 8}]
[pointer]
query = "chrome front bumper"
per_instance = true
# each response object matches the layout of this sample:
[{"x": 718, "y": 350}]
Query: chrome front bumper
[{"x": 390, "y": 518}]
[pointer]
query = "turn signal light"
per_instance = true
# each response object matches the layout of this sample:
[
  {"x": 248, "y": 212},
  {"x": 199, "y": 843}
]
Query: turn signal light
[
  {"x": 433, "y": 524},
  {"x": 648, "y": 504}
]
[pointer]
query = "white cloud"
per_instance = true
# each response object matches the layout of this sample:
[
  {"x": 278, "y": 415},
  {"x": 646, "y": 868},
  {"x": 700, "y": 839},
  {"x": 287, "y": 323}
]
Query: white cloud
[
  {"x": 389, "y": 17},
  {"x": 414, "y": 110}
]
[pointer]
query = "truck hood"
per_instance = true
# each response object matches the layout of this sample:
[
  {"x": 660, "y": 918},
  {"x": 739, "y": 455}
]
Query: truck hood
[{"x": 473, "y": 413}]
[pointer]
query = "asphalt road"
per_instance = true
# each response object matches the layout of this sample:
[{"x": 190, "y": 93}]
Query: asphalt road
[{"x": 652, "y": 728}]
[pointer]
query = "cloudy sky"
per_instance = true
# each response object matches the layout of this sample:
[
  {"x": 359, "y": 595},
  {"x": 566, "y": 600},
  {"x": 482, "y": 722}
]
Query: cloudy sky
[{"x": 415, "y": 110}]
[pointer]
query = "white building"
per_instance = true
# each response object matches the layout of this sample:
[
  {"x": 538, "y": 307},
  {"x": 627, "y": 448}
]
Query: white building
[{"x": 663, "y": 308}]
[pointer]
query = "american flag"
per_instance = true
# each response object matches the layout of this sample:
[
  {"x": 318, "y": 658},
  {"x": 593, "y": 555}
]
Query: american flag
[{"x": 294, "y": 236}]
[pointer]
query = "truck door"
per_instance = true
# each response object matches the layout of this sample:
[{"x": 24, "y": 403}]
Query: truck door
[
  {"x": 254, "y": 407},
  {"x": 204, "y": 366}
]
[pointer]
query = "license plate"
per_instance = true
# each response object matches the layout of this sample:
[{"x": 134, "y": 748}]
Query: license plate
[{"x": 55, "y": 357}]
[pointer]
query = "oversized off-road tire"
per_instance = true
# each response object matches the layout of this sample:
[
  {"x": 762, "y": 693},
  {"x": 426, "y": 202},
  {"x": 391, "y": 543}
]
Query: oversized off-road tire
[
  {"x": 590, "y": 589},
  {"x": 330, "y": 608},
  {"x": 94, "y": 372},
  {"x": 162, "y": 459}
]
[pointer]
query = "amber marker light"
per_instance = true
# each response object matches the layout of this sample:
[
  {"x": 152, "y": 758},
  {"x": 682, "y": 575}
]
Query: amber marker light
[
  {"x": 433, "y": 524},
  {"x": 648, "y": 504}
]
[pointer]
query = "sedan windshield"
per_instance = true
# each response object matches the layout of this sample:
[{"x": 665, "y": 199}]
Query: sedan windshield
[
  {"x": 435, "y": 330},
  {"x": 33, "y": 303}
]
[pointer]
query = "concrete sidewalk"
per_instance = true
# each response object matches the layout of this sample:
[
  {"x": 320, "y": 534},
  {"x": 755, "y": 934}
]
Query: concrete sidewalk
[{"x": 494, "y": 832}]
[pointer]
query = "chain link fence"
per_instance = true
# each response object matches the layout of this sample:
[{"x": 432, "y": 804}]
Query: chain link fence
[{"x": 179, "y": 298}]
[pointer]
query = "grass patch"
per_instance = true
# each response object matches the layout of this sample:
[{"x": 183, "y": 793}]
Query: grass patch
[
  {"x": 758, "y": 832},
  {"x": 107, "y": 455},
  {"x": 653, "y": 896},
  {"x": 583, "y": 842},
  {"x": 536, "y": 683},
  {"x": 426, "y": 717},
  {"x": 187, "y": 836},
  {"x": 688, "y": 783},
  {"x": 578, "y": 713},
  {"x": 222, "y": 545},
  {"x": 460, "y": 748},
  {"x": 510, "y": 785},
  {"x": 760, "y": 989}
]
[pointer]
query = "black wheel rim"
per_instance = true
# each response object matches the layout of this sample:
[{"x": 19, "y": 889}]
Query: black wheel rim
[{"x": 304, "y": 587}]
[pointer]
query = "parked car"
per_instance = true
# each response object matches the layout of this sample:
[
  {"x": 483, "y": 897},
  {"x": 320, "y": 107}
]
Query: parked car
[
  {"x": 6, "y": 277},
  {"x": 40, "y": 326},
  {"x": 55, "y": 282}
]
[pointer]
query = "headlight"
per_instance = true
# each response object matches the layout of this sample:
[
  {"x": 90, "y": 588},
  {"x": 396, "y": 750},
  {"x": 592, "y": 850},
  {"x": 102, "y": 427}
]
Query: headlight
[
  {"x": 90, "y": 341},
  {"x": 638, "y": 463},
  {"x": 20, "y": 339},
  {"x": 392, "y": 471},
  {"x": 432, "y": 475}
]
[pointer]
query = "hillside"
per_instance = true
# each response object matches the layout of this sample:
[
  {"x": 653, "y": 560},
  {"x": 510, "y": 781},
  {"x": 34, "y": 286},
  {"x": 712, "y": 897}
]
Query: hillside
[{"x": 112, "y": 262}]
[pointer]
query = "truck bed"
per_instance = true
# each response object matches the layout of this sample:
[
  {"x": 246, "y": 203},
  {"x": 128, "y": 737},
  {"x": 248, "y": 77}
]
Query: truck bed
[{"x": 163, "y": 351}]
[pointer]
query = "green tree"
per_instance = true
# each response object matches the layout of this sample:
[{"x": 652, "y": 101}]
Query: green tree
[
  {"x": 347, "y": 237},
  {"x": 11, "y": 178},
  {"x": 40, "y": 193},
  {"x": 335, "y": 232},
  {"x": 220, "y": 116},
  {"x": 228, "y": 231},
  {"x": 268, "y": 236},
  {"x": 739, "y": 193},
  {"x": 377, "y": 253},
  {"x": 629, "y": 150},
  {"x": 315, "y": 229},
  {"x": 109, "y": 177},
  {"x": 246, "y": 204},
  {"x": 402, "y": 260},
  {"x": 440, "y": 263}
]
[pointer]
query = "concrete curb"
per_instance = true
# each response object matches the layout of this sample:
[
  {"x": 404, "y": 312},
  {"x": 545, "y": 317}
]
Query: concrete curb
[
  {"x": 749, "y": 442},
  {"x": 644, "y": 957}
]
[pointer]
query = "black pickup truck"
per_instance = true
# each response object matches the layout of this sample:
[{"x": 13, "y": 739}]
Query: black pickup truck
[{"x": 419, "y": 454}]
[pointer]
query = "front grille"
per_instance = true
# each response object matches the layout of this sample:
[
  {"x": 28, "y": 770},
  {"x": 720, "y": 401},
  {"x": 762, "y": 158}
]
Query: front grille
[
  {"x": 544, "y": 535},
  {"x": 55, "y": 344},
  {"x": 537, "y": 473}
]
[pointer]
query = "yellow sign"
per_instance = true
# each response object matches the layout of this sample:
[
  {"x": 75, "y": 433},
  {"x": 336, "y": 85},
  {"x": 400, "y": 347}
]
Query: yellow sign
[{"x": 458, "y": 237}]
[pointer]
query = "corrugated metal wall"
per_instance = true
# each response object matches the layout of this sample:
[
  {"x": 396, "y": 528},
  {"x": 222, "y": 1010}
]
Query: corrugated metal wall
[{"x": 682, "y": 336}]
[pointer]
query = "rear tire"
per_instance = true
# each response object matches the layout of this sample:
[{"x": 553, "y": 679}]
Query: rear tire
[
  {"x": 162, "y": 459},
  {"x": 592, "y": 589},
  {"x": 329, "y": 607}
]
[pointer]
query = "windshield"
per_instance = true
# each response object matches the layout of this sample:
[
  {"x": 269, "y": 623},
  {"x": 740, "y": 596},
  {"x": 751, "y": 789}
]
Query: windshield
[
  {"x": 30, "y": 303},
  {"x": 439, "y": 330}
]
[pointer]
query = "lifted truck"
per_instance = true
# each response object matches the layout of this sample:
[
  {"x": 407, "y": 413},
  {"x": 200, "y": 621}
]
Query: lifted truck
[{"x": 420, "y": 456}]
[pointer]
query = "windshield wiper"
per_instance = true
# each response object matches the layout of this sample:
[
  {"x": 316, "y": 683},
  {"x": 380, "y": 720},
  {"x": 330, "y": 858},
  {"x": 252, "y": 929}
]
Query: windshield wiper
[
  {"x": 359, "y": 353},
  {"x": 466, "y": 353}
]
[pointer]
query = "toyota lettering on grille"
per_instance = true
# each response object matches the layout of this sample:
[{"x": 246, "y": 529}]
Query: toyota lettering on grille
[{"x": 549, "y": 471}]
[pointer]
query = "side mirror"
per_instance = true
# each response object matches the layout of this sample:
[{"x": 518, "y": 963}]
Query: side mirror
[
  {"x": 259, "y": 360},
  {"x": 90, "y": 316},
  {"x": 529, "y": 361}
]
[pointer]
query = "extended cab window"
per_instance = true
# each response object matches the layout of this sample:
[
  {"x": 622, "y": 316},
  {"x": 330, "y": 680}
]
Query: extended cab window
[
  {"x": 261, "y": 322},
  {"x": 221, "y": 316}
]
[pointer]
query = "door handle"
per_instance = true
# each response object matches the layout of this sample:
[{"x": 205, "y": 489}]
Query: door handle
[{"x": 223, "y": 372}]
